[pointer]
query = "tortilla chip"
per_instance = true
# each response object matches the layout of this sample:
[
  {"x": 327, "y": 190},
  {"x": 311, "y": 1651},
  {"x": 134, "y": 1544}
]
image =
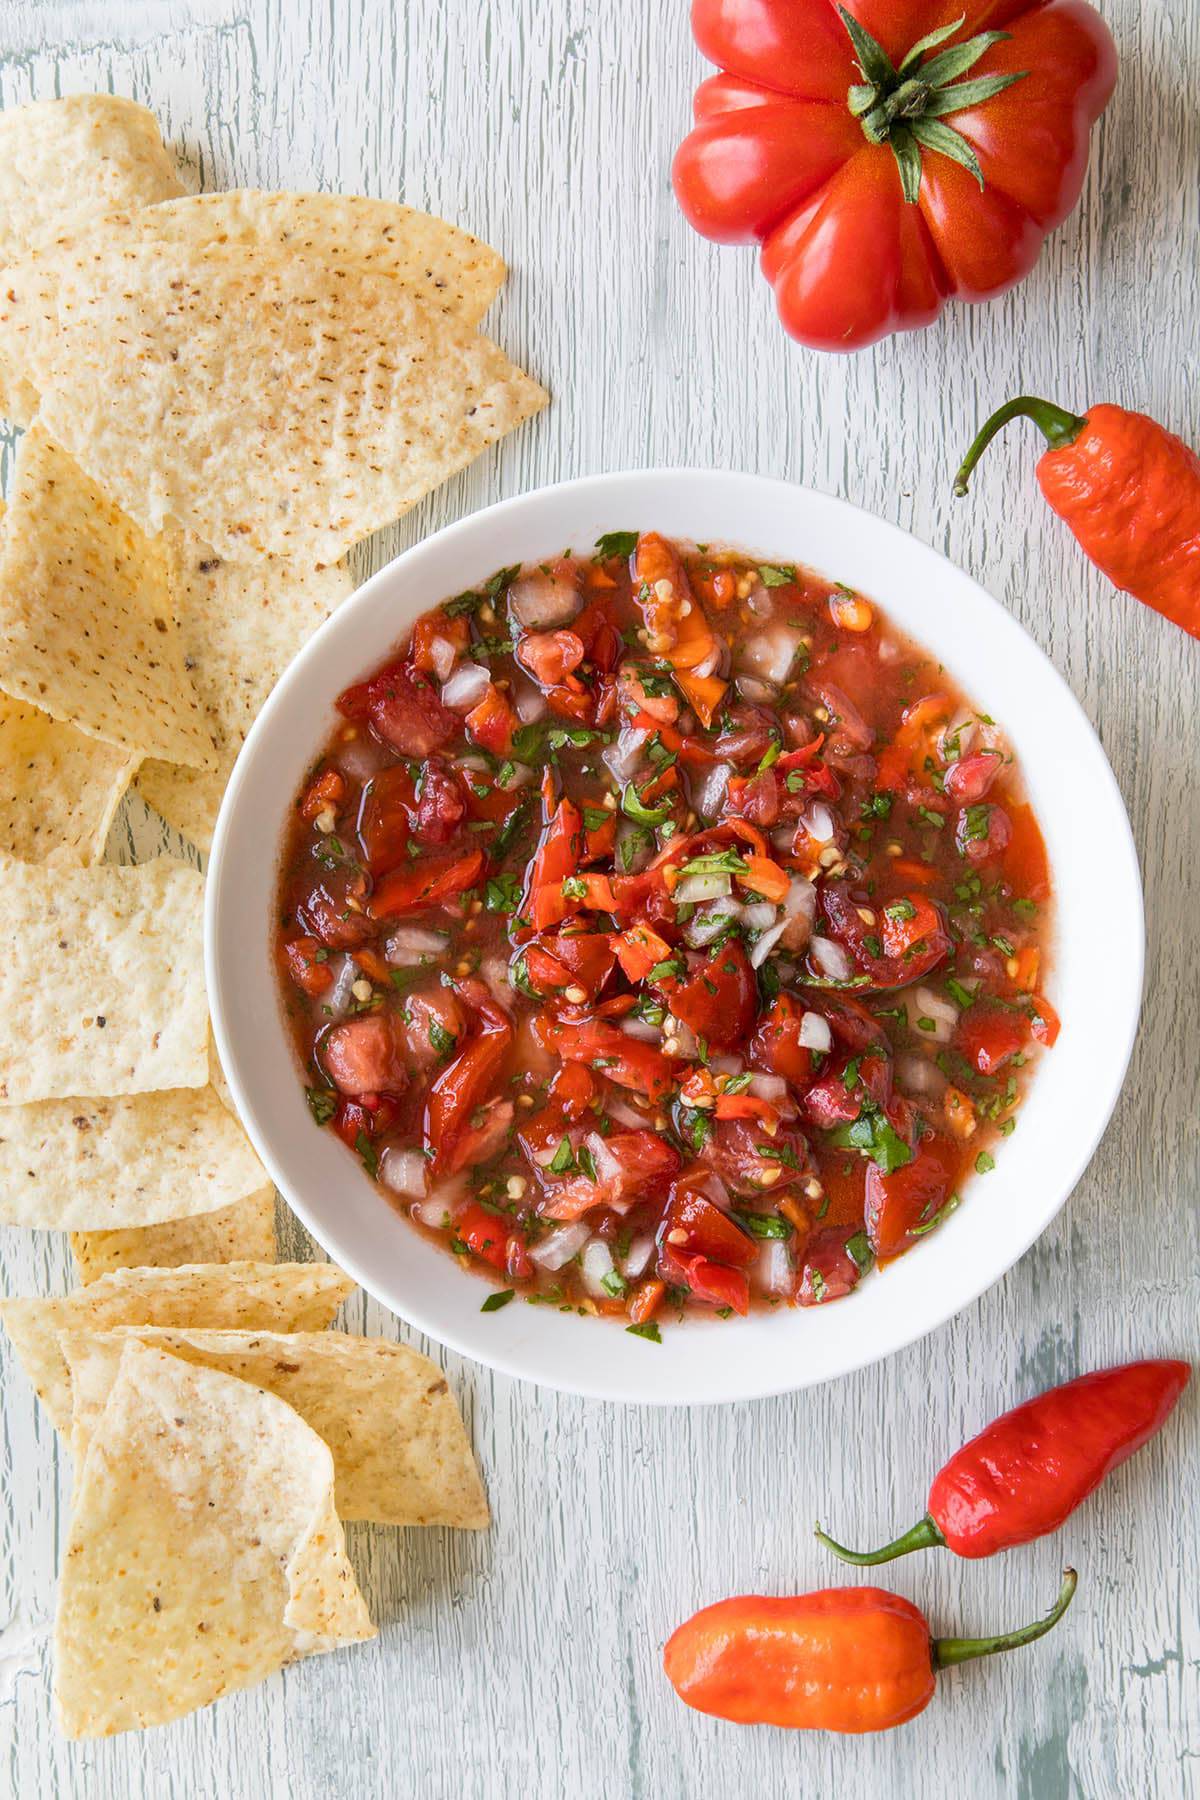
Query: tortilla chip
[
  {"x": 102, "y": 980},
  {"x": 98, "y": 1165},
  {"x": 243, "y": 1232},
  {"x": 242, "y": 623},
  {"x": 203, "y": 1553},
  {"x": 399, "y": 1447},
  {"x": 61, "y": 160},
  {"x": 247, "y": 396},
  {"x": 60, "y": 790},
  {"x": 87, "y": 631},
  {"x": 226, "y": 1296}
]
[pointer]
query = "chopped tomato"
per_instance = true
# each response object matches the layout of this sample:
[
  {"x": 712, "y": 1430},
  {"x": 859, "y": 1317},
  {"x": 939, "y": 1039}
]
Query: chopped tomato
[
  {"x": 627, "y": 1061},
  {"x": 385, "y": 818},
  {"x": 720, "y": 1001},
  {"x": 432, "y": 629},
  {"x": 462, "y": 1088},
  {"x": 492, "y": 722},
  {"x": 776, "y": 1047},
  {"x": 713, "y": 1283},
  {"x": 424, "y": 883},
  {"x": 905, "y": 1202},
  {"x": 829, "y": 1272},
  {"x": 766, "y": 878},
  {"x": 550, "y": 656},
  {"x": 485, "y": 1234},
  {"x": 990, "y": 1036},
  {"x": 365, "y": 1056},
  {"x": 1024, "y": 862},
  {"x": 707, "y": 1231},
  {"x": 329, "y": 789},
  {"x": 639, "y": 950},
  {"x": 909, "y": 923},
  {"x": 307, "y": 965},
  {"x": 403, "y": 709},
  {"x": 558, "y": 857},
  {"x": 862, "y": 938}
]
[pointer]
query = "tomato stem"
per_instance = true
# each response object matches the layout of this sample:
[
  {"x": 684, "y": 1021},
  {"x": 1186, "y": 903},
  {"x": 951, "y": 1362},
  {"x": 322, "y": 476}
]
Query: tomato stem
[
  {"x": 924, "y": 1535},
  {"x": 948, "y": 1651},
  {"x": 1057, "y": 426}
]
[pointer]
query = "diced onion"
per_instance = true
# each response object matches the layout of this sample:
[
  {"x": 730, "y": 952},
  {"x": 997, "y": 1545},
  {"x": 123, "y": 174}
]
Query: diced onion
[
  {"x": 758, "y": 601},
  {"x": 336, "y": 1000},
  {"x": 636, "y": 1257},
  {"x": 766, "y": 944},
  {"x": 711, "y": 662},
  {"x": 918, "y": 1074},
  {"x": 640, "y": 1028},
  {"x": 800, "y": 901},
  {"x": 708, "y": 794},
  {"x": 685, "y": 1041},
  {"x": 769, "y": 1087},
  {"x": 831, "y": 959},
  {"x": 725, "y": 1065},
  {"x": 608, "y": 1168},
  {"x": 436, "y": 1207},
  {"x": 494, "y": 970},
  {"x": 774, "y": 1268},
  {"x": 771, "y": 653},
  {"x": 411, "y": 945},
  {"x": 358, "y": 758},
  {"x": 516, "y": 775},
  {"x": 815, "y": 1033},
  {"x": 403, "y": 1171},
  {"x": 541, "y": 602},
  {"x": 529, "y": 701},
  {"x": 622, "y": 757},
  {"x": 444, "y": 655},
  {"x": 759, "y": 693},
  {"x": 466, "y": 687},
  {"x": 595, "y": 1264},
  {"x": 759, "y": 915},
  {"x": 624, "y": 1113},
  {"x": 704, "y": 926},
  {"x": 694, "y": 889},
  {"x": 635, "y": 847},
  {"x": 925, "y": 1004},
  {"x": 819, "y": 823},
  {"x": 561, "y": 1245}
]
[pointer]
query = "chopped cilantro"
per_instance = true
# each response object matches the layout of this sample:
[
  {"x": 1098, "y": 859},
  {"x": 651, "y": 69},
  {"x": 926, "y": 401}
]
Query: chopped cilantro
[
  {"x": 583, "y": 1158},
  {"x": 503, "y": 894},
  {"x": 321, "y": 1104},
  {"x": 770, "y": 755},
  {"x": 858, "y": 1247},
  {"x": 574, "y": 887},
  {"x": 764, "y": 1225},
  {"x": 943, "y": 1212},
  {"x": 616, "y": 543},
  {"x": 443, "y": 1041},
  {"x": 495, "y": 1301},
  {"x": 737, "y": 1084},
  {"x": 873, "y": 1134},
  {"x": 595, "y": 818},
  {"x": 518, "y": 977},
  {"x": 931, "y": 818},
  {"x": 613, "y": 1284},
  {"x": 366, "y": 1151},
  {"x": 984, "y": 1163},
  {"x": 563, "y": 1160},
  {"x": 775, "y": 575},
  {"x": 649, "y": 1330},
  {"x": 958, "y": 993},
  {"x": 664, "y": 970},
  {"x": 977, "y": 822},
  {"x": 901, "y": 909}
]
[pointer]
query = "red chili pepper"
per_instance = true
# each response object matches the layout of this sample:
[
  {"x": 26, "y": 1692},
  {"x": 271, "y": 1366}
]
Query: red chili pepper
[
  {"x": 1129, "y": 490},
  {"x": 843, "y": 1659},
  {"x": 1028, "y": 1471}
]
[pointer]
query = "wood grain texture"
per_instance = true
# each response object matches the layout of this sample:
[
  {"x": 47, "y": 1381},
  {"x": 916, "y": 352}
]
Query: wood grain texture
[{"x": 526, "y": 1661}]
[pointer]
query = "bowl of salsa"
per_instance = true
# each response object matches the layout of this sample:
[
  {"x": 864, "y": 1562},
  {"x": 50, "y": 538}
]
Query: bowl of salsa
[{"x": 654, "y": 943}]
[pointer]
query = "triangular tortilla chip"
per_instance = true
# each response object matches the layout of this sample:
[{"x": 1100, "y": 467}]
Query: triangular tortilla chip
[
  {"x": 224, "y": 1296},
  {"x": 101, "y": 981},
  {"x": 203, "y": 1551},
  {"x": 140, "y": 1159},
  {"x": 61, "y": 160},
  {"x": 241, "y": 625},
  {"x": 87, "y": 631},
  {"x": 399, "y": 1447},
  {"x": 243, "y": 1232},
  {"x": 246, "y": 396}
]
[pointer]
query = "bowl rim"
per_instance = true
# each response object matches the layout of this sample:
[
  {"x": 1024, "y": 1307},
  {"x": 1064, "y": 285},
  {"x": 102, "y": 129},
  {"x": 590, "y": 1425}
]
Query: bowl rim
[{"x": 770, "y": 1376}]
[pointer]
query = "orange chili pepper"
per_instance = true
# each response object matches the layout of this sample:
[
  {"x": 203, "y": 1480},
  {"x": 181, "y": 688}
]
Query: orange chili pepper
[
  {"x": 647, "y": 1300},
  {"x": 765, "y": 877},
  {"x": 1129, "y": 490},
  {"x": 843, "y": 1659},
  {"x": 639, "y": 950}
]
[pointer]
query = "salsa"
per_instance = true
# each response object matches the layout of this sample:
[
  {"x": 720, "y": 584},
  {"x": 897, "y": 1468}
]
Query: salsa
[{"x": 664, "y": 932}]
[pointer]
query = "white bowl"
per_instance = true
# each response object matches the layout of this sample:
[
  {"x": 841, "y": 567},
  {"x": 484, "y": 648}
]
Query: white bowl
[{"x": 1097, "y": 965}]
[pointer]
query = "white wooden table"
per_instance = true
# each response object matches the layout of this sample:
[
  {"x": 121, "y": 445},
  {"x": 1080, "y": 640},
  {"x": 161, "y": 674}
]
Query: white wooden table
[{"x": 527, "y": 1661}]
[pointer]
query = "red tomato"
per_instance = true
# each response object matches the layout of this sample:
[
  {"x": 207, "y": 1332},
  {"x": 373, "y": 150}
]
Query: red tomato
[
  {"x": 713, "y": 1283},
  {"x": 306, "y": 965},
  {"x": 708, "y": 1232},
  {"x": 493, "y": 722},
  {"x": 990, "y": 1036},
  {"x": 328, "y": 915},
  {"x": 776, "y": 1045},
  {"x": 558, "y": 856},
  {"x": 829, "y": 1272},
  {"x": 897, "y": 1205},
  {"x": 462, "y": 1088},
  {"x": 428, "y": 630},
  {"x": 550, "y": 656},
  {"x": 442, "y": 805},
  {"x": 329, "y": 789},
  {"x": 424, "y": 883},
  {"x": 625, "y": 1060},
  {"x": 403, "y": 709},
  {"x": 720, "y": 1001},
  {"x": 385, "y": 818},
  {"x": 886, "y": 971},
  {"x": 365, "y": 1056},
  {"x": 777, "y": 156},
  {"x": 485, "y": 1234}
]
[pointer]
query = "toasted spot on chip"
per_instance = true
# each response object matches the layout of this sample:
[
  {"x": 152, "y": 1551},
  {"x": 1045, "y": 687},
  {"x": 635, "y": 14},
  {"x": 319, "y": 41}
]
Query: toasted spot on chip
[
  {"x": 84, "y": 611},
  {"x": 239, "y": 392},
  {"x": 230, "y": 1296},
  {"x": 241, "y": 624},
  {"x": 203, "y": 1552},
  {"x": 61, "y": 160},
  {"x": 138, "y": 1159},
  {"x": 400, "y": 1450},
  {"x": 102, "y": 980},
  {"x": 241, "y": 1232}
]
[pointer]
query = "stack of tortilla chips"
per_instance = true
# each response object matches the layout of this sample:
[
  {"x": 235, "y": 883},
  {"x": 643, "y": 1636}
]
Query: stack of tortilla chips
[{"x": 220, "y": 394}]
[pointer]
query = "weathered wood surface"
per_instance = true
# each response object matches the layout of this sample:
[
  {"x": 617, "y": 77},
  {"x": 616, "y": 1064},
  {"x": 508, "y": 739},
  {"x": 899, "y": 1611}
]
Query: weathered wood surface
[{"x": 526, "y": 1661}]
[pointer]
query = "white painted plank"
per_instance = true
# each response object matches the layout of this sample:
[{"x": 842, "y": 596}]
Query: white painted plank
[{"x": 528, "y": 1660}]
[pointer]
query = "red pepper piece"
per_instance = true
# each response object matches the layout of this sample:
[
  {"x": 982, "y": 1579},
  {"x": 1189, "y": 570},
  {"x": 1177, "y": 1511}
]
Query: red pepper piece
[
  {"x": 902, "y": 1205},
  {"x": 1028, "y": 1471},
  {"x": 842, "y": 1659},
  {"x": 424, "y": 883},
  {"x": 720, "y": 1001},
  {"x": 1129, "y": 490}
]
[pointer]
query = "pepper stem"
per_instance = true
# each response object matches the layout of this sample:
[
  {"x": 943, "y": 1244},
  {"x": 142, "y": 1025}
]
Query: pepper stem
[
  {"x": 948, "y": 1651},
  {"x": 924, "y": 1535},
  {"x": 1058, "y": 426}
]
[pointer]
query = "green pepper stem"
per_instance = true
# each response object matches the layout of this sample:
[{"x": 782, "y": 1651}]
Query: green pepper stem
[
  {"x": 924, "y": 1535},
  {"x": 948, "y": 1651},
  {"x": 1058, "y": 426}
]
